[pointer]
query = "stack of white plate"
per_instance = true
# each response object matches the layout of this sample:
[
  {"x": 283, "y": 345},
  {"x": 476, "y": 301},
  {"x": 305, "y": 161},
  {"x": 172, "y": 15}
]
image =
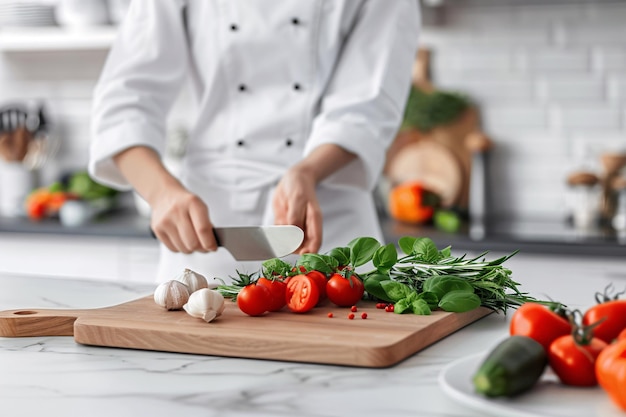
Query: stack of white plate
[{"x": 23, "y": 13}]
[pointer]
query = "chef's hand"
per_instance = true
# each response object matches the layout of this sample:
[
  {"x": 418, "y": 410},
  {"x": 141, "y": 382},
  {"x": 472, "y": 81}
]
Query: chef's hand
[
  {"x": 295, "y": 202},
  {"x": 180, "y": 219}
]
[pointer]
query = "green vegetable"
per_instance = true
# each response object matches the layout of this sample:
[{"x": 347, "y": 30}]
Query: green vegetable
[
  {"x": 425, "y": 111},
  {"x": 512, "y": 367},
  {"x": 447, "y": 220},
  {"x": 82, "y": 185}
]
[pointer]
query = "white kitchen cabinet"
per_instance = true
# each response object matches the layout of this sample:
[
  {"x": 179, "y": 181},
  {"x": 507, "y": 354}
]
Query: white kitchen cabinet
[{"x": 102, "y": 258}]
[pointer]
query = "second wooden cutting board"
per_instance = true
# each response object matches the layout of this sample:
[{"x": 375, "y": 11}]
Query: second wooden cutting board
[{"x": 381, "y": 340}]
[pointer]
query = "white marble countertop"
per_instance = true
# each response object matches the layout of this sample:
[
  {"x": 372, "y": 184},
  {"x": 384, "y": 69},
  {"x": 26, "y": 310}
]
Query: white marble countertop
[{"x": 54, "y": 376}]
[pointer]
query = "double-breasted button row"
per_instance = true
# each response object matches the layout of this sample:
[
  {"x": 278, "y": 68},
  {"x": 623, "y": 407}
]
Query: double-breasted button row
[
  {"x": 294, "y": 21},
  {"x": 241, "y": 143},
  {"x": 242, "y": 87}
]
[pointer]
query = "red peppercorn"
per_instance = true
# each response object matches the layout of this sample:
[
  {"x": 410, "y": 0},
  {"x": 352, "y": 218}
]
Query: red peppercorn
[
  {"x": 363, "y": 315},
  {"x": 330, "y": 315},
  {"x": 353, "y": 309},
  {"x": 351, "y": 316}
]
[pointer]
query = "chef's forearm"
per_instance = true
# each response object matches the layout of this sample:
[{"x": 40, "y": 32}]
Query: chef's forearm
[
  {"x": 143, "y": 169},
  {"x": 324, "y": 161}
]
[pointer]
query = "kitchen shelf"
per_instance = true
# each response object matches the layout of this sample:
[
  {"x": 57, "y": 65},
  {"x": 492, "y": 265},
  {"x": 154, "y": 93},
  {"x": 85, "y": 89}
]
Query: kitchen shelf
[{"x": 39, "y": 39}]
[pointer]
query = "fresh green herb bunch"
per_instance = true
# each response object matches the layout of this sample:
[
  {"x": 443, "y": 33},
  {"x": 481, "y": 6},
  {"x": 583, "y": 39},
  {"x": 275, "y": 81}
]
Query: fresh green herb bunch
[
  {"x": 425, "y": 111},
  {"x": 442, "y": 280}
]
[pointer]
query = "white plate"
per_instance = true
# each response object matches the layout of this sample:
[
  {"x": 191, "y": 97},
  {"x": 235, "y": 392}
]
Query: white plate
[{"x": 547, "y": 399}]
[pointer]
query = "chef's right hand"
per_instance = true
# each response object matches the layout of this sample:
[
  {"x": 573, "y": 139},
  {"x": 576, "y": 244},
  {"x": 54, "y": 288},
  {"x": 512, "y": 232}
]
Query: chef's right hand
[{"x": 180, "y": 219}]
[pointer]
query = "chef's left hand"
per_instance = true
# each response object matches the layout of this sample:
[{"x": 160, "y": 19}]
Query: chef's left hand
[{"x": 295, "y": 202}]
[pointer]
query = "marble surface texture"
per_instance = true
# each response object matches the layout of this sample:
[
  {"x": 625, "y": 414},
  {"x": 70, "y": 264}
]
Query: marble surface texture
[{"x": 55, "y": 376}]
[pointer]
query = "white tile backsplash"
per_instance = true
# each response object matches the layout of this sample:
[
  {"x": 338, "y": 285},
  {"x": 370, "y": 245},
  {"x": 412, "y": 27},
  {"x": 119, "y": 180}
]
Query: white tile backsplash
[{"x": 553, "y": 81}]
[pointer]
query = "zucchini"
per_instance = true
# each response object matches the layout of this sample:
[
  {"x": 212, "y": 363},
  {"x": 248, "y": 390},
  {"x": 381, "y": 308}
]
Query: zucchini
[{"x": 512, "y": 367}]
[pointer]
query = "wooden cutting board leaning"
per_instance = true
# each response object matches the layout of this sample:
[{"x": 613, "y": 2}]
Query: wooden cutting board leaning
[{"x": 382, "y": 339}]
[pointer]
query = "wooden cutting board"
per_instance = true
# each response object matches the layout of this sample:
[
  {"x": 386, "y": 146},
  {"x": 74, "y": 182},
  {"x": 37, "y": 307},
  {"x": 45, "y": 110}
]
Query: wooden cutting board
[{"x": 381, "y": 340}]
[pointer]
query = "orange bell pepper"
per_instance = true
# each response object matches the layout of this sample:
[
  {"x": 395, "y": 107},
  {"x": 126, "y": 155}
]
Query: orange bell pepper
[
  {"x": 611, "y": 372},
  {"x": 407, "y": 203}
]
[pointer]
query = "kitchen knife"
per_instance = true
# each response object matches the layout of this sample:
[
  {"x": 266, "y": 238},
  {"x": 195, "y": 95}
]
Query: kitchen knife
[{"x": 258, "y": 243}]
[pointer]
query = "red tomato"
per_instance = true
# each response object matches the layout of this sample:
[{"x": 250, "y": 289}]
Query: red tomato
[
  {"x": 539, "y": 323},
  {"x": 320, "y": 281},
  {"x": 574, "y": 363},
  {"x": 302, "y": 294},
  {"x": 277, "y": 291},
  {"x": 613, "y": 316},
  {"x": 254, "y": 300},
  {"x": 344, "y": 292},
  {"x": 611, "y": 372}
]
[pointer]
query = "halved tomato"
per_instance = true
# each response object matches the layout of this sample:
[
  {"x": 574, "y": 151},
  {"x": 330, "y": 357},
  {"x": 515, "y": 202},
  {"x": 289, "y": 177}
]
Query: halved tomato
[{"x": 302, "y": 293}]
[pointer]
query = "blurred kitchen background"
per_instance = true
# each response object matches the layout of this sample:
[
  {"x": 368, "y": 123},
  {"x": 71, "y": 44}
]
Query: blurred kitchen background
[{"x": 544, "y": 82}]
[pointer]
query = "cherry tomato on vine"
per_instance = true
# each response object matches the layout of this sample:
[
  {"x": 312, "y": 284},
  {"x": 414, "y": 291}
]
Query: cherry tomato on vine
[
  {"x": 277, "y": 290},
  {"x": 302, "y": 294},
  {"x": 344, "y": 292},
  {"x": 573, "y": 361},
  {"x": 320, "y": 281},
  {"x": 613, "y": 316},
  {"x": 254, "y": 299},
  {"x": 539, "y": 323}
]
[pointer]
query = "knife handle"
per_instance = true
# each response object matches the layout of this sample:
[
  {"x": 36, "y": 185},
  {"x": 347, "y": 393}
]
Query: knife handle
[{"x": 217, "y": 239}]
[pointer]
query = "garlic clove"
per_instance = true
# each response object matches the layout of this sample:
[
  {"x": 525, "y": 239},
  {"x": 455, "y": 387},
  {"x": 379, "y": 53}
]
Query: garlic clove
[
  {"x": 172, "y": 295},
  {"x": 209, "y": 316},
  {"x": 205, "y": 304},
  {"x": 193, "y": 280}
]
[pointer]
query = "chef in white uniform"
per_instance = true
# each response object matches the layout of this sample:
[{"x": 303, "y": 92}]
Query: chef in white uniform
[{"x": 297, "y": 102}]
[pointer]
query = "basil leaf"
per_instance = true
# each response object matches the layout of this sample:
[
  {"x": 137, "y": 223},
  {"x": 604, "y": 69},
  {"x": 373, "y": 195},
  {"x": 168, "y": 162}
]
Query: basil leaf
[
  {"x": 420, "y": 307},
  {"x": 402, "y": 306},
  {"x": 396, "y": 291},
  {"x": 362, "y": 250},
  {"x": 406, "y": 244},
  {"x": 426, "y": 250},
  {"x": 322, "y": 263},
  {"x": 431, "y": 299},
  {"x": 342, "y": 255},
  {"x": 385, "y": 257},
  {"x": 442, "y": 284},
  {"x": 373, "y": 286},
  {"x": 445, "y": 252},
  {"x": 459, "y": 301},
  {"x": 275, "y": 267}
]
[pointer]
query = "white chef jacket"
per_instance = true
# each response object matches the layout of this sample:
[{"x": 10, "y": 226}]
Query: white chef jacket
[{"x": 272, "y": 80}]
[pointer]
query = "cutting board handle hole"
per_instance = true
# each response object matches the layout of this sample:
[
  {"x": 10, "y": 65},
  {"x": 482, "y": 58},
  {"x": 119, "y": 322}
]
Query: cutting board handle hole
[{"x": 24, "y": 313}]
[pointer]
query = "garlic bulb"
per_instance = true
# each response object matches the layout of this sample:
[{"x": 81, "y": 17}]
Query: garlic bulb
[
  {"x": 205, "y": 304},
  {"x": 171, "y": 295},
  {"x": 192, "y": 280}
]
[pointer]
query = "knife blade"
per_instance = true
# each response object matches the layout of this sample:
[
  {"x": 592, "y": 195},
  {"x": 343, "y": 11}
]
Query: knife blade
[{"x": 258, "y": 243}]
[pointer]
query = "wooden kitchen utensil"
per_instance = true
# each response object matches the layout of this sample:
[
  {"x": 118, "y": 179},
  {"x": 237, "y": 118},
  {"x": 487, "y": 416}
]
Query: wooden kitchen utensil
[{"x": 381, "y": 340}]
